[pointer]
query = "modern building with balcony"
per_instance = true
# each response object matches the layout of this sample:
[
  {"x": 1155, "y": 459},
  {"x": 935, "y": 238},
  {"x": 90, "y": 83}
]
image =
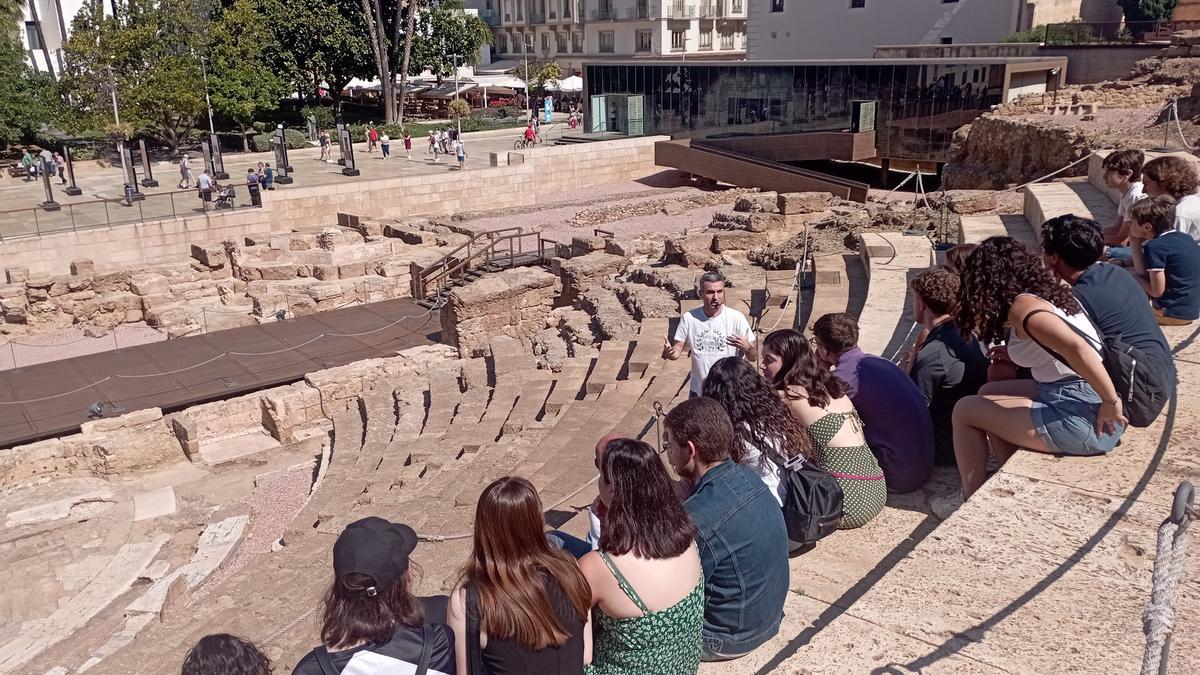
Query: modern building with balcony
[{"x": 572, "y": 31}]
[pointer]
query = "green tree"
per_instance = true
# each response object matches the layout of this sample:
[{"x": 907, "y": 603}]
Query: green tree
[
  {"x": 243, "y": 83},
  {"x": 149, "y": 52},
  {"x": 323, "y": 41},
  {"x": 28, "y": 100},
  {"x": 442, "y": 32},
  {"x": 540, "y": 72},
  {"x": 1147, "y": 10}
]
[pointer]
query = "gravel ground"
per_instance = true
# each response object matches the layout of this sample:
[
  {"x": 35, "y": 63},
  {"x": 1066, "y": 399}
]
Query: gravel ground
[
  {"x": 71, "y": 342},
  {"x": 1123, "y": 127},
  {"x": 275, "y": 501}
]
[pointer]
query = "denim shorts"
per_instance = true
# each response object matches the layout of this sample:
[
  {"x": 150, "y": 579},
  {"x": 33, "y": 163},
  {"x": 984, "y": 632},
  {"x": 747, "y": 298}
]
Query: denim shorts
[{"x": 1064, "y": 414}]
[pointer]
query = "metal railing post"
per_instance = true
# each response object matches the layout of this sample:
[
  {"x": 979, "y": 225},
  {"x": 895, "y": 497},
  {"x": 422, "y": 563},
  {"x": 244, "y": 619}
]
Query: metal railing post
[
  {"x": 107, "y": 218},
  {"x": 71, "y": 210}
]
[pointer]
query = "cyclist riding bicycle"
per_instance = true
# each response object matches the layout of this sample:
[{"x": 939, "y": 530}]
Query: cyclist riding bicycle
[{"x": 529, "y": 134}]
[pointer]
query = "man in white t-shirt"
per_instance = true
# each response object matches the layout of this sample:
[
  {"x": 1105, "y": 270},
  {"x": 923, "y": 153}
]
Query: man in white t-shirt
[{"x": 712, "y": 331}]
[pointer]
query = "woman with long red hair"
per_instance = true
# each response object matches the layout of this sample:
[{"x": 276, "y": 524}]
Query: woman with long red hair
[{"x": 521, "y": 606}]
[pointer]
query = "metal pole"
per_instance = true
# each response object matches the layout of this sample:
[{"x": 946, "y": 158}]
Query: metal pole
[
  {"x": 525, "y": 54},
  {"x": 112, "y": 87},
  {"x": 459, "y": 117},
  {"x": 207, "y": 100}
]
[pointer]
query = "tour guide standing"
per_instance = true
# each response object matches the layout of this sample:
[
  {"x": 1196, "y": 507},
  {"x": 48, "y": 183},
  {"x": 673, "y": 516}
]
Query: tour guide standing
[{"x": 712, "y": 331}]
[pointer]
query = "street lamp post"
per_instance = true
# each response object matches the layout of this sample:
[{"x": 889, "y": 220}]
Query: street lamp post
[
  {"x": 207, "y": 100},
  {"x": 458, "y": 119},
  {"x": 129, "y": 189},
  {"x": 527, "y": 44}
]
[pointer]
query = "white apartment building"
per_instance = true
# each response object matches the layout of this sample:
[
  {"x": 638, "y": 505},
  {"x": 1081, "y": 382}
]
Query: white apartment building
[
  {"x": 44, "y": 29},
  {"x": 569, "y": 31},
  {"x": 832, "y": 29}
]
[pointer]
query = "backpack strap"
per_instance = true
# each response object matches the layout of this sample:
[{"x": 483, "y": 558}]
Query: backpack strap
[
  {"x": 474, "y": 653},
  {"x": 323, "y": 660},
  {"x": 426, "y": 650},
  {"x": 1059, "y": 357}
]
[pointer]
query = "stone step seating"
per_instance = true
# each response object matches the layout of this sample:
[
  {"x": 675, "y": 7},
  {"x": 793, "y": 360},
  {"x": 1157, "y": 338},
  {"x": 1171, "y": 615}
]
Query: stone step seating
[
  {"x": 974, "y": 229},
  {"x": 832, "y": 287},
  {"x": 1050, "y": 200},
  {"x": 891, "y": 260}
]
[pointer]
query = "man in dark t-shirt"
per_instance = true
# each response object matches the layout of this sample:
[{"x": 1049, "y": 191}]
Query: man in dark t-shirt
[
  {"x": 946, "y": 367},
  {"x": 1116, "y": 303}
]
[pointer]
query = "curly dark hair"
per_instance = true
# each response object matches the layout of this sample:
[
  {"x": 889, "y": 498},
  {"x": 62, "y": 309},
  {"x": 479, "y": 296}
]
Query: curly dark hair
[
  {"x": 226, "y": 654},
  {"x": 996, "y": 273},
  {"x": 800, "y": 368},
  {"x": 956, "y": 258},
  {"x": 938, "y": 289},
  {"x": 755, "y": 410},
  {"x": 1174, "y": 174}
]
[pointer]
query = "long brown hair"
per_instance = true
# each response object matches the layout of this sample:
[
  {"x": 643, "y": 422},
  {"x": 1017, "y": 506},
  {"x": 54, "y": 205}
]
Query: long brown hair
[
  {"x": 996, "y": 273},
  {"x": 353, "y": 617},
  {"x": 509, "y": 564},
  {"x": 799, "y": 367},
  {"x": 645, "y": 515}
]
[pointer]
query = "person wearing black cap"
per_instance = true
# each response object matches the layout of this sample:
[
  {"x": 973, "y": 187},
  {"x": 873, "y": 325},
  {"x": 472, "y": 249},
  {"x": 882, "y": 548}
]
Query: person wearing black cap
[{"x": 372, "y": 623}]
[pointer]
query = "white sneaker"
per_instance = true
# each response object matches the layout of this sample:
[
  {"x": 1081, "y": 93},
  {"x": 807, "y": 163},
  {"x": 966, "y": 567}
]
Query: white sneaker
[{"x": 946, "y": 505}]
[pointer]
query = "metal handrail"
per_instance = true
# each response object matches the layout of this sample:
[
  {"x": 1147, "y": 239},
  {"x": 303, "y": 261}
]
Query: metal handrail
[
  {"x": 487, "y": 234},
  {"x": 448, "y": 267}
]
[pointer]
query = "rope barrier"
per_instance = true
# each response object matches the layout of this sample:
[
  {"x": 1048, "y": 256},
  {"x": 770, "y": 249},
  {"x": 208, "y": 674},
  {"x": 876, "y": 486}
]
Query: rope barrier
[
  {"x": 1174, "y": 113},
  {"x": 222, "y": 355},
  {"x": 1158, "y": 621}
]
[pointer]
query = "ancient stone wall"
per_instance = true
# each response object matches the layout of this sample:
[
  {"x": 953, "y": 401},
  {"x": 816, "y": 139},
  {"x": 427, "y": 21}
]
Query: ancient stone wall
[
  {"x": 514, "y": 302},
  {"x": 103, "y": 448},
  {"x": 998, "y": 151}
]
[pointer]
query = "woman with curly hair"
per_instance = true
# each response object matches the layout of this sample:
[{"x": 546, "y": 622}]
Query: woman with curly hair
[
  {"x": 818, "y": 400},
  {"x": 768, "y": 434},
  {"x": 1176, "y": 177},
  {"x": 1070, "y": 406}
]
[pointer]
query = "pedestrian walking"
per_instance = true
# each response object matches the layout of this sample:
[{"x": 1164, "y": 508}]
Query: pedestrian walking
[
  {"x": 372, "y": 138},
  {"x": 268, "y": 180},
  {"x": 444, "y": 141},
  {"x": 60, "y": 165},
  {"x": 407, "y": 145},
  {"x": 323, "y": 141},
  {"x": 432, "y": 149},
  {"x": 27, "y": 164},
  {"x": 461, "y": 153},
  {"x": 204, "y": 187},
  {"x": 47, "y": 158},
  {"x": 385, "y": 143},
  {"x": 253, "y": 187},
  {"x": 185, "y": 172}
]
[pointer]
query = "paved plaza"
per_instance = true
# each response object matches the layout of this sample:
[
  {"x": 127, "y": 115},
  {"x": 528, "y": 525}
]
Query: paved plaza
[{"x": 102, "y": 200}]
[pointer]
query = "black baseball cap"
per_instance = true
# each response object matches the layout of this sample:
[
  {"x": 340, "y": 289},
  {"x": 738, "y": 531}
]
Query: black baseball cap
[{"x": 376, "y": 548}]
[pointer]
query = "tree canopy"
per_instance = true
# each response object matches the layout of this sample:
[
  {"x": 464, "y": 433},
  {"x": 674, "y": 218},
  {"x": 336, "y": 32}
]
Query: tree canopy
[
  {"x": 1147, "y": 10},
  {"x": 242, "y": 50}
]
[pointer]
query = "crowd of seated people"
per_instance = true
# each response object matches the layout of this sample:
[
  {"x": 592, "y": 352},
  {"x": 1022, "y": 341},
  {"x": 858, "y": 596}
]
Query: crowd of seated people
[{"x": 686, "y": 556}]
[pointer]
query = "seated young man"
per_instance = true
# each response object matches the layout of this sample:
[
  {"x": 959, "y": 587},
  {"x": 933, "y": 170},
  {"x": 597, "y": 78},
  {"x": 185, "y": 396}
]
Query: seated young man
[
  {"x": 946, "y": 367},
  {"x": 742, "y": 537},
  {"x": 1166, "y": 261},
  {"x": 895, "y": 418},
  {"x": 1116, "y": 303},
  {"x": 1176, "y": 178},
  {"x": 1123, "y": 173}
]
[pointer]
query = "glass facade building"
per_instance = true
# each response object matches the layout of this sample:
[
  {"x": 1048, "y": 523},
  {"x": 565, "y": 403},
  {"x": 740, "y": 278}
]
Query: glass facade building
[{"x": 919, "y": 103}]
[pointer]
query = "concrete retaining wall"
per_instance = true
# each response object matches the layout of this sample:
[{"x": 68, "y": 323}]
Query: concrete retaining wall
[
  {"x": 1089, "y": 64},
  {"x": 529, "y": 176}
]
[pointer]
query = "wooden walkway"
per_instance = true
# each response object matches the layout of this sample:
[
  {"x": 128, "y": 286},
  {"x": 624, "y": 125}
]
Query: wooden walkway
[{"x": 50, "y": 399}]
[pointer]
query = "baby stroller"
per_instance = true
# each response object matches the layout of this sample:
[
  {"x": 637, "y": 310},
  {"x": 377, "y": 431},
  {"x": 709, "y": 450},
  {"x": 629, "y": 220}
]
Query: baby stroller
[{"x": 225, "y": 196}]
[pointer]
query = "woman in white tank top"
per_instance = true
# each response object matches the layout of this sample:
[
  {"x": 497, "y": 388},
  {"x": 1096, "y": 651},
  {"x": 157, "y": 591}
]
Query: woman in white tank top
[{"x": 1067, "y": 408}]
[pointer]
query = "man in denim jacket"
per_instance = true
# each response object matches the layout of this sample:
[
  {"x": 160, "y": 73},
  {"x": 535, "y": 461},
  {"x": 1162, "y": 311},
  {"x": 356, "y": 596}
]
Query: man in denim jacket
[{"x": 742, "y": 537}]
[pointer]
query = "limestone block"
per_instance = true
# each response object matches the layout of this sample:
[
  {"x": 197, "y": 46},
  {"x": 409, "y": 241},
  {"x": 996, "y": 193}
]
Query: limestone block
[
  {"x": 112, "y": 281},
  {"x": 680, "y": 281},
  {"x": 16, "y": 275},
  {"x": 270, "y": 255},
  {"x": 16, "y": 315},
  {"x": 752, "y": 202},
  {"x": 322, "y": 292},
  {"x": 766, "y": 222},
  {"x": 582, "y": 272},
  {"x": 351, "y": 270},
  {"x": 12, "y": 291},
  {"x": 80, "y": 283},
  {"x": 149, "y": 284},
  {"x": 738, "y": 241},
  {"x": 59, "y": 287},
  {"x": 282, "y": 272},
  {"x": 301, "y": 305},
  {"x": 82, "y": 266},
  {"x": 153, "y": 302},
  {"x": 16, "y": 302},
  {"x": 392, "y": 269},
  {"x": 730, "y": 220},
  {"x": 646, "y": 302},
  {"x": 325, "y": 272},
  {"x": 302, "y": 242},
  {"x": 689, "y": 250},
  {"x": 804, "y": 202},
  {"x": 674, "y": 208},
  {"x": 41, "y": 281},
  {"x": 513, "y": 302},
  {"x": 211, "y": 254},
  {"x": 38, "y": 294},
  {"x": 586, "y": 245},
  {"x": 633, "y": 247}
]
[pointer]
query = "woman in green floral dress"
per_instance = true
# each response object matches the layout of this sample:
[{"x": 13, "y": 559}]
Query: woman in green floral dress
[{"x": 646, "y": 580}]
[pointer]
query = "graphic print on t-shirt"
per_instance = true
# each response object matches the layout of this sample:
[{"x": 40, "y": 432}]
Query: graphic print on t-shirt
[{"x": 710, "y": 339}]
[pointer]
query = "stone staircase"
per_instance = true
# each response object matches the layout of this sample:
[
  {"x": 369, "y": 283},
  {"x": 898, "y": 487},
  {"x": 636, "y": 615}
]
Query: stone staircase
[{"x": 420, "y": 453}]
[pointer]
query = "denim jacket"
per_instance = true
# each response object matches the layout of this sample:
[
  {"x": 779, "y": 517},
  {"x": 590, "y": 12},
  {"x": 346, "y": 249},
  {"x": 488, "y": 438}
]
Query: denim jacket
[{"x": 744, "y": 552}]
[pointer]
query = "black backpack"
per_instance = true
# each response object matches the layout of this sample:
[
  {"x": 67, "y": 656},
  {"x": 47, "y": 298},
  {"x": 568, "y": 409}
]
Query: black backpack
[
  {"x": 812, "y": 499},
  {"x": 1143, "y": 390}
]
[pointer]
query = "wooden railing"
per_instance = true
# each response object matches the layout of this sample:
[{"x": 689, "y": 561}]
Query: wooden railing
[{"x": 506, "y": 247}]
